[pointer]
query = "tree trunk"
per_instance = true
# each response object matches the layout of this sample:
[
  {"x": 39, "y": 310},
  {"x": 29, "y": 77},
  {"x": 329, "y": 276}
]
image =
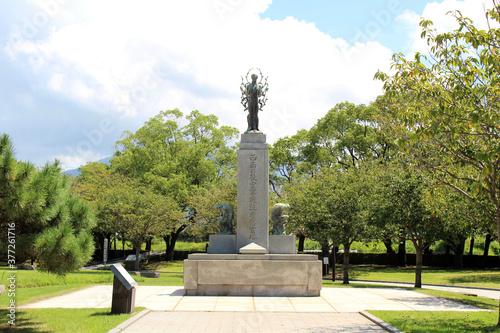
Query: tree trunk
[
  {"x": 487, "y": 243},
  {"x": 402, "y": 253},
  {"x": 137, "y": 256},
  {"x": 459, "y": 252},
  {"x": 302, "y": 239},
  {"x": 418, "y": 268},
  {"x": 447, "y": 252},
  {"x": 325, "y": 253},
  {"x": 427, "y": 248},
  {"x": 334, "y": 261},
  {"x": 388, "y": 246},
  {"x": 345, "y": 265},
  {"x": 170, "y": 242},
  {"x": 148, "y": 244},
  {"x": 471, "y": 246}
]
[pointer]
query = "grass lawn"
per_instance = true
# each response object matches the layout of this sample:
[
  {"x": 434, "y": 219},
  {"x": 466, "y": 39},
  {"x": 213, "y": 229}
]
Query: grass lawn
[
  {"x": 445, "y": 321},
  {"x": 64, "y": 320},
  {"x": 440, "y": 321},
  {"x": 472, "y": 278},
  {"x": 35, "y": 285}
]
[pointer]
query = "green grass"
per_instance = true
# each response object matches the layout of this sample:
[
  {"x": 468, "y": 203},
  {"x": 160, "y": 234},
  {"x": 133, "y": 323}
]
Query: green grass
[
  {"x": 472, "y": 278},
  {"x": 28, "y": 295},
  {"x": 440, "y": 321},
  {"x": 484, "y": 303},
  {"x": 445, "y": 321},
  {"x": 158, "y": 244},
  {"x": 35, "y": 285},
  {"x": 162, "y": 266},
  {"x": 64, "y": 320}
]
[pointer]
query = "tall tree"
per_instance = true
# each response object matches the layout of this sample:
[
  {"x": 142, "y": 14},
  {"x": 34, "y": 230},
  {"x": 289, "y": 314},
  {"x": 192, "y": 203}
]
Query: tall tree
[
  {"x": 347, "y": 135},
  {"x": 177, "y": 160},
  {"x": 50, "y": 224},
  {"x": 444, "y": 109},
  {"x": 331, "y": 208},
  {"x": 402, "y": 208},
  {"x": 138, "y": 213},
  {"x": 204, "y": 204}
]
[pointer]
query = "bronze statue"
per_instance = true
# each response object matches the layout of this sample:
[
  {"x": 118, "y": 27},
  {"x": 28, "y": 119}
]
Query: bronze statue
[
  {"x": 225, "y": 219},
  {"x": 278, "y": 218},
  {"x": 253, "y": 98}
]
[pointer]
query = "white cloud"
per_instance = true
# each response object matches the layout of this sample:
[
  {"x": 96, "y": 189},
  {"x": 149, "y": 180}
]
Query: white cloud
[
  {"x": 444, "y": 21},
  {"x": 136, "y": 58},
  {"x": 76, "y": 159}
]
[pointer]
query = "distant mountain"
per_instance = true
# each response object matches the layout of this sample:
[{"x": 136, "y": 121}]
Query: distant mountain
[{"x": 75, "y": 172}]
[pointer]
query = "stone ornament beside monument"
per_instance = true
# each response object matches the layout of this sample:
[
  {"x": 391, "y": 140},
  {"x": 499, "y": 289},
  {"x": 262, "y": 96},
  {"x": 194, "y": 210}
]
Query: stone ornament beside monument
[{"x": 252, "y": 262}]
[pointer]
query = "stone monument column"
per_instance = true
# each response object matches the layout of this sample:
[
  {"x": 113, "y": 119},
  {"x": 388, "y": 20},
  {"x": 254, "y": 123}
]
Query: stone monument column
[{"x": 253, "y": 194}]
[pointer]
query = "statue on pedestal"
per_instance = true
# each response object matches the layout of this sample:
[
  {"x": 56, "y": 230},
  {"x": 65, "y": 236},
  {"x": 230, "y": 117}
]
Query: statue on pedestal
[
  {"x": 225, "y": 219},
  {"x": 278, "y": 218},
  {"x": 253, "y": 98}
]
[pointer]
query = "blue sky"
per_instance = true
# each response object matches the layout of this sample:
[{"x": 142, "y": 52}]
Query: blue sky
[
  {"x": 352, "y": 20},
  {"x": 76, "y": 74}
]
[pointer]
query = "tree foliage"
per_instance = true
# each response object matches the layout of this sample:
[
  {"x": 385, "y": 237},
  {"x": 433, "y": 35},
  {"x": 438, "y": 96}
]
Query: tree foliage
[
  {"x": 51, "y": 224},
  {"x": 443, "y": 108},
  {"x": 177, "y": 159},
  {"x": 331, "y": 208}
]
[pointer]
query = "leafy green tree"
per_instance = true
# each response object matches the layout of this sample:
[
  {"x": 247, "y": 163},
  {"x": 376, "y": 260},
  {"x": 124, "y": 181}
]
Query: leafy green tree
[
  {"x": 287, "y": 160},
  {"x": 347, "y": 135},
  {"x": 444, "y": 109},
  {"x": 50, "y": 224},
  {"x": 204, "y": 202},
  {"x": 138, "y": 213},
  {"x": 331, "y": 208},
  {"x": 461, "y": 217},
  {"x": 175, "y": 160},
  {"x": 402, "y": 207}
]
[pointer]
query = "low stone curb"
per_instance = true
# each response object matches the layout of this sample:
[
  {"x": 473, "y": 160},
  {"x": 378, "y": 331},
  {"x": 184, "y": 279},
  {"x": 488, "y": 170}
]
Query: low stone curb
[
  {"x": 380, "y": 322},
  {"x": 129, "y": 321}
]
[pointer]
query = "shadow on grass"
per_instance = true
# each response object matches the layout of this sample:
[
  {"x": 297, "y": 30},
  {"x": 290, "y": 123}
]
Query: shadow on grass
[
  {"x": 339, "y": 284},
  {"x": 490, "y": 278},
  {"x": 439, "y": 322},
  {"x": 23, "y": 323}
]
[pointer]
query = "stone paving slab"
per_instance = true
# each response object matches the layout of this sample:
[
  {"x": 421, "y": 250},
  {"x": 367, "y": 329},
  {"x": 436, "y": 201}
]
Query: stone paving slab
[
  {"x": 187, "y": 321},
  {"x": 171, "y": 298}
]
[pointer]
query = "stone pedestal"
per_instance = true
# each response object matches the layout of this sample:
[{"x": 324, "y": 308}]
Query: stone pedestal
[
  {"x": 281, "y": 244},
  {"x": 222, "y": 244},
  {"x": 252, "y": 263},
  {"x": 253, "y": 192},
  {"x": 252, "y": 275}
]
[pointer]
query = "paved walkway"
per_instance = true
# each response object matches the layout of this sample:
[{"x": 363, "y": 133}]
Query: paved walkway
[
  {"x": 336, "y": 310},
  {"x": 333, "y": 300},
  {"x": 261, "y": 322}
]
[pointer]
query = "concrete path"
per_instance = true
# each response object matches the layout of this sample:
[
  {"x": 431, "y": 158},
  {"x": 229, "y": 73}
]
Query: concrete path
[
  {"x": 333, "y": 300},
  {"x": 260, "y": 322},
  {"x": 336, "y": 310}
]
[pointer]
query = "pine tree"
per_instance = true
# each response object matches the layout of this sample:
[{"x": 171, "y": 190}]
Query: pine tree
[{"x": 51, "y": 225}]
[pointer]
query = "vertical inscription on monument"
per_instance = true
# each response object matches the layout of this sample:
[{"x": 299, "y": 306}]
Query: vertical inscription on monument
[{"x": 253, "y": 195}]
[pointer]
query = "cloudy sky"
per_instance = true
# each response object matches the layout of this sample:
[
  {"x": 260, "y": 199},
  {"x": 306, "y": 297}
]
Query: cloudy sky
[{"x": 75, "y": 74}]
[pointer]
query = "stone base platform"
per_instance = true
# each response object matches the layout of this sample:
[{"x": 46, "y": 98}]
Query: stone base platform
[
  {"x": 226, "y": 244},
  {"x": 252, "y": 275}
]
